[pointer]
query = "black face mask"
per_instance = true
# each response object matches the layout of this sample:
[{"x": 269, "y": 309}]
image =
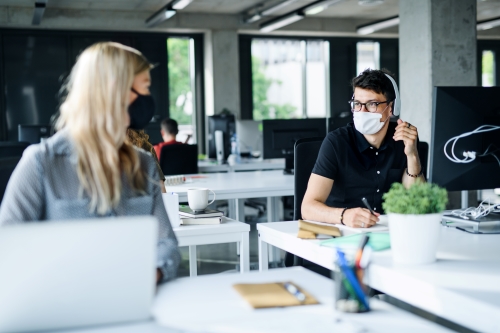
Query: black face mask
[{"x": 141, "y": 110}]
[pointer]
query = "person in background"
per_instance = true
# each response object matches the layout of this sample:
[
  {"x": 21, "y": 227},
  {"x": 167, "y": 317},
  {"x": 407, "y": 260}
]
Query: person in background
[
  {"x": 142, "y": 109},
  {"x": 88, "y": 169},
  {"x": 363, "y": 159},
  {"x": 169, "y": 131}
]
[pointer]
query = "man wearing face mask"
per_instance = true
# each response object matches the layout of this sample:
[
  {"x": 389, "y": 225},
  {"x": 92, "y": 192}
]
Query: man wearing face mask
[
  {"x": 363, "y": 159},
  {"x": 141, "y": 110}
]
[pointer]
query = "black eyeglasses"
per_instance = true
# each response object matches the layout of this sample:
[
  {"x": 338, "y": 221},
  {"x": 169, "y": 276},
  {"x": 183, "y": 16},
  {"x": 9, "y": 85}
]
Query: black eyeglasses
[{"x": 369, "y": 106}]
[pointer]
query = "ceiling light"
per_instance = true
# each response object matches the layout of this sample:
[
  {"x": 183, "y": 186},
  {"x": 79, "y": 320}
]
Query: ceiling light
[
  {"x": 180, "y": 4},
  {"x": 253, "y": 18},
  {"x": 277, "y": 7},
  {"x": 370, "y": 2},
  {"x": 320, "y": 6},
  {"x": 281, "y": 22},
  {"x": 162, "y": 15},
  {"x": 376, "y": 26},
  {"x": 490, "y": 24}
]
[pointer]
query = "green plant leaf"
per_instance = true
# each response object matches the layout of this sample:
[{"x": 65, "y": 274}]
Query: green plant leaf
[{"x": 420, "y": 198}]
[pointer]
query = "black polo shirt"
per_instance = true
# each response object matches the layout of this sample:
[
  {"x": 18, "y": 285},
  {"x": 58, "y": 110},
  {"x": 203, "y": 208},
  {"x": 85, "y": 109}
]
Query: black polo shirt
[{"x": 359, "y": 170}]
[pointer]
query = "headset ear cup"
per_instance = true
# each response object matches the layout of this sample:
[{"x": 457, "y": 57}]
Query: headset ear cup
[{"x": 396, "y": 109}]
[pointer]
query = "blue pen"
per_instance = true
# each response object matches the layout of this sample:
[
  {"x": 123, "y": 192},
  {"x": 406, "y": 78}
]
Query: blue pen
[{"x": 351, "y": 278}]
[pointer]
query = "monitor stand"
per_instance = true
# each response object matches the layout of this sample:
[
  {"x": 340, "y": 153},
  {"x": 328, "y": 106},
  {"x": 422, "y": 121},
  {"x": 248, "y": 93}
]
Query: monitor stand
[
  {"x": 489, "y": 224},
  {"x": 289, "y": 165}
]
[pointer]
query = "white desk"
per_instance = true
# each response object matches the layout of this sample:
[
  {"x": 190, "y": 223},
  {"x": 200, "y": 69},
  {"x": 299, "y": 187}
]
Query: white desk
[
  {"x": 463, "y": 286},
  {"x": 210, "y": 304},
  {"x": 250, "y": 164},
  {"x": 227, "y": 232},
  {"x": 139, "y": 327},
  {"x": 242, "y": 185}
]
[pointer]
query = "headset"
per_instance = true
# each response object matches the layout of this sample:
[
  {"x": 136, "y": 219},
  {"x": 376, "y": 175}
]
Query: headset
[{"x": 397, "y": 101}]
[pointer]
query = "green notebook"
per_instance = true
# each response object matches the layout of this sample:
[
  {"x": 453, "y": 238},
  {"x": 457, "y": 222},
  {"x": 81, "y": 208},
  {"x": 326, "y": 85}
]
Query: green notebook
[{"x": 378, "y": 241}]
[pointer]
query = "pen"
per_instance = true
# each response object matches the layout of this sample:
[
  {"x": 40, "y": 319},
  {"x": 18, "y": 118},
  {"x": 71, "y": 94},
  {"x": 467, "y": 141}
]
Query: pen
[
  {"x": 294, "y": 291},
  {"x": 365, "y": 202},
  {"x": 348, "y": 273},
  {"x": 359, "y": 252}
]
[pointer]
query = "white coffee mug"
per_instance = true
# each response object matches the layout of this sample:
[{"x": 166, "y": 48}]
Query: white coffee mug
[{"x": 198, "y": 198}]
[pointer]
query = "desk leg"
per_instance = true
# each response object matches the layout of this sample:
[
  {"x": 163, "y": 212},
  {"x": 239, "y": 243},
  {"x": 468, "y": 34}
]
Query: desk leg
[
  {"x": 193, "y": 268},
  {"x": 263, "y": 256},
  {"x": 244, "y": 252}
]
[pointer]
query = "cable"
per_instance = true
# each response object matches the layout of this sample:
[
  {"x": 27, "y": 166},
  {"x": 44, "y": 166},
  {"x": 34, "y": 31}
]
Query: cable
[
  {"x": 469, "y": 156},
  {"x": 477, "y": 212}
]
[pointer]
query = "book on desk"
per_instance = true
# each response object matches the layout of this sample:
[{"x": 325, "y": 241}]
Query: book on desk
[{"x": 207, "y": 216}]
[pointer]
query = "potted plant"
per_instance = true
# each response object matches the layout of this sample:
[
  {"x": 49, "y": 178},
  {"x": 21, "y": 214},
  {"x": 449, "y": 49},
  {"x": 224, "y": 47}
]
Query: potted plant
[{"x": 414, "y": 221}]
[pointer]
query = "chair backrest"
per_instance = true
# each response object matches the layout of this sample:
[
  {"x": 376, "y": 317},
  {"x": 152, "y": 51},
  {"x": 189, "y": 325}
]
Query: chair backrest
[
  {"x": 7, "y": 166},
  {"x": 179, "y": 159},
  {"x": 423, "y": 153},
  {"x": 12, "y": 148},
  {"x": 306, "y": 153},
  {"x": 34, "y": 133}
]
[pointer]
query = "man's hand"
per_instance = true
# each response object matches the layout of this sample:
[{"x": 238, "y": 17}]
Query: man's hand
[
  {"x": 408, "y": 133},
  {"x": 360, "y": 218}
]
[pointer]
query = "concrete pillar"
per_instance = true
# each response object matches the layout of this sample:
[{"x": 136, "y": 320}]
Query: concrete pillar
[
  {"x": 222, "y": 73},
  {"x": 437, "y": 47}
]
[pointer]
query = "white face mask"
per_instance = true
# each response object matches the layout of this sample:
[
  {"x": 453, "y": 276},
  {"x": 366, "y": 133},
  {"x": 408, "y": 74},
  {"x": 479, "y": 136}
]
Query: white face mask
[{"x": 368, "y": 123}]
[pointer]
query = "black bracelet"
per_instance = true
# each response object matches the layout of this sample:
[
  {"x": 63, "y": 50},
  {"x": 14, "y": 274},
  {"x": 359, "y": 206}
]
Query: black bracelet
[
  {"x": 342, "y": 216},
  {"x": 415, "y": 176}
]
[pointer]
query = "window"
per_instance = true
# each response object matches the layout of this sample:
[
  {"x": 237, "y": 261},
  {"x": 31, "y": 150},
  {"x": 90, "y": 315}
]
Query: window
[
  {"x": 367, "y": 56},
  {"x": 289, "y": 78},
  {"x": 181, "y": 86},
  {"x": 488, "y": 77}
]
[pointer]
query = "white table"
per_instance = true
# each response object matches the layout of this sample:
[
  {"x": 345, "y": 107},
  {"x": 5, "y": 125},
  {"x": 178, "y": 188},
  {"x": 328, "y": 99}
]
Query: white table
[
  {"x": 210, "y": 304},
  {"x": 250, "y": 164},
  {"x": 228, "y": 231},
  {"x": 242, "y": 185},
  {"x": 463, "y": 286},
  {"x": 139, "y": 327}
]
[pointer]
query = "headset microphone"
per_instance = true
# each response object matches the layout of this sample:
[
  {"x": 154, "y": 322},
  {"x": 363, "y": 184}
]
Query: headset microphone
[{"x": 397, "y": 101}]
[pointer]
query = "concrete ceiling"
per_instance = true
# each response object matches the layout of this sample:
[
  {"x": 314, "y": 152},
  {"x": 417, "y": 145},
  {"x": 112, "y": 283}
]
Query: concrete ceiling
[{"x": 346, "y": 9}]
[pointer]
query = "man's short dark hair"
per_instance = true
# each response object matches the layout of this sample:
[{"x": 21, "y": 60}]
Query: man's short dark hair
[
  {"x": 170, "y": 126},
  {"x": 375, "y": 80}
]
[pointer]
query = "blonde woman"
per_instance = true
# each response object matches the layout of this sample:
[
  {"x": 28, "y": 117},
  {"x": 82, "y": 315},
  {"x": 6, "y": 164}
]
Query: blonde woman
[
  {"x": 88, "y": 168},
  {"x": 142, "y": 109}
]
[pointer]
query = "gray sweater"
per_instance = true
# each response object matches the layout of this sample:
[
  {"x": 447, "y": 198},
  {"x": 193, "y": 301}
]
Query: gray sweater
[{"x": 45, "y": 186}]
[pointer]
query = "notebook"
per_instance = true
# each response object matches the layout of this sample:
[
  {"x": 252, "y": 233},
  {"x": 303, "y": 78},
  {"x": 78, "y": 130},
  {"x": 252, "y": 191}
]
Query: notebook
[
  {"x": 185, "y": 211},
  {"x": 308, "y": 230},
  {"x": 378, "y": 241},
  {"x": 270, "y": 295},
  {"x": 202, "y": 220}
]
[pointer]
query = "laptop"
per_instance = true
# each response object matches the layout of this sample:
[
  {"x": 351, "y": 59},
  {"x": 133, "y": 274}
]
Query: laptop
[{"x": 74, "y": 273}]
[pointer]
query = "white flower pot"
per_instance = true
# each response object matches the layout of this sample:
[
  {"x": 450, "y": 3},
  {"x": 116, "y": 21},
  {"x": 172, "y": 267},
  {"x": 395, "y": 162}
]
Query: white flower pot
[{"x": 414, "y": 238}]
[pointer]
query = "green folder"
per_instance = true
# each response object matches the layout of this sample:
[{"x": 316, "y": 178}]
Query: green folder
[{"x": 378, "y": 241}]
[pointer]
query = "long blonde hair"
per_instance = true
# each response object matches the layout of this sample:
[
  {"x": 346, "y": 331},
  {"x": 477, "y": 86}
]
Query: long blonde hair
[{"x": 95, "y": 115}]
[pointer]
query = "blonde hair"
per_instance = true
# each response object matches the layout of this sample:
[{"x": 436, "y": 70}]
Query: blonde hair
[{"x": 96, "y": 117}]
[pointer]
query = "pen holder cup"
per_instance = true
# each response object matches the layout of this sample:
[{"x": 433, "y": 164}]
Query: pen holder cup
[{"x": 347, "y": 297}]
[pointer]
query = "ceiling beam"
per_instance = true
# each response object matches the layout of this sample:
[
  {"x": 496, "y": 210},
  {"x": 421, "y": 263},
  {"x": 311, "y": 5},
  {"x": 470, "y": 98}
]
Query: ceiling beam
[{"x": 38, "y": 13}]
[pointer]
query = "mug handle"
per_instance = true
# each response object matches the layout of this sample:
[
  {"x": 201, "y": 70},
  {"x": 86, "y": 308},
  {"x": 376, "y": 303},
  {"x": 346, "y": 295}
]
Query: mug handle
[{"x": 211, "y": 202}]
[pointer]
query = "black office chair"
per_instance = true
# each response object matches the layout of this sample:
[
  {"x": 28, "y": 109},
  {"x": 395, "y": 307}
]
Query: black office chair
[
  {"x": 423, "y": 153},
  {"x": 179, "y": 159},
  {"x": 305, "y": 155},
  {"x": 7, "y": 166},
  {"x": 12, "y": 148}
]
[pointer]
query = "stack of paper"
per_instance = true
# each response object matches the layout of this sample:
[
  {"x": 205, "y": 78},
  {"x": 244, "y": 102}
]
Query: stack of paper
[{"x": 207, "y": 216}]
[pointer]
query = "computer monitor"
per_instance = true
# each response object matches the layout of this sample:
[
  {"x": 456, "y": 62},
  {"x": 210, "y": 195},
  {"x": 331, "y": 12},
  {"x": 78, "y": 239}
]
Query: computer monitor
[
  {"x": 33, "y": 133},
  {"x": 280, "y": 136},
  {"x": 458, "y": 110},
  {"x": 249, "y": 136},
  {"x": 224, "y": 123}
]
